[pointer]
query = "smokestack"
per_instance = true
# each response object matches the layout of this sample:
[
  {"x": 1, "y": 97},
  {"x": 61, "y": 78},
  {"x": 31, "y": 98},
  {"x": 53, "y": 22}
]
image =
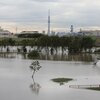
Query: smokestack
[{"x": 71, "y": 29}]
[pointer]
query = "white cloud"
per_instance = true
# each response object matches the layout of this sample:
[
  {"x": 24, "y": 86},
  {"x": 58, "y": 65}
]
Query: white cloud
[{"x": 33, "y": 13}]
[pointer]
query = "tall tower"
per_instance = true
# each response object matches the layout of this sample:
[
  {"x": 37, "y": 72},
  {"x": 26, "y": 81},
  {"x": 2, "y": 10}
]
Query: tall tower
[{"x": 49, "y": 22}]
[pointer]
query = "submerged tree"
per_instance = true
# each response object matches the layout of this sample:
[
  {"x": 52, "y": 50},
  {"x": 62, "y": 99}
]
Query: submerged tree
[
  {"x": 87, "y": 43},
  {"x": 35, "y": 66},
  {"x": 35, "y": 87}
]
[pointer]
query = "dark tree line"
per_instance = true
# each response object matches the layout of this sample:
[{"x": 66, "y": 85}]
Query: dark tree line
[
  {"x": 74, "y": 44},
  {"x": 30, "y": 35}
]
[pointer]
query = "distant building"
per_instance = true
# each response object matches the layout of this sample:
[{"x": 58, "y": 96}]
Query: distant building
[
  {"x": 52, "y": 33},
  {"x": 5, "y": 33},
  {"x": 72, "y": 34},
  {"x": 91, "y": 33},
  {"x": 29, "y": 32},
  {"x": 60, "y": 34}
]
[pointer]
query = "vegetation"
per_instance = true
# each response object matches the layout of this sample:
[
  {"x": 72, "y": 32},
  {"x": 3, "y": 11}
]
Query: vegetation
[
  {"x": 61, "y": 81},
  {"x": 74, "y": 44},
  {"x": 94, "y": 88},
  {"x": 35, "y": 66},
  {"x": 7, "y": 42},
  {"x": 87, "y": 43},
  {"x": 33, "y": 54}
]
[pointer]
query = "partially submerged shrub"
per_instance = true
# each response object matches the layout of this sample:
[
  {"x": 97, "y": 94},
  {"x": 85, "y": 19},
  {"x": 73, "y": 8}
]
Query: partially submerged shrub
[{"x": 33, "y": 54}]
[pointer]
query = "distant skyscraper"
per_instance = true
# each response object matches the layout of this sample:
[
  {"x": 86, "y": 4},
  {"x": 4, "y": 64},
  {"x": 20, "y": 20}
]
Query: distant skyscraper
[
  {"x": 48, "y": 22},
  {"x": 71, "y": 29}
]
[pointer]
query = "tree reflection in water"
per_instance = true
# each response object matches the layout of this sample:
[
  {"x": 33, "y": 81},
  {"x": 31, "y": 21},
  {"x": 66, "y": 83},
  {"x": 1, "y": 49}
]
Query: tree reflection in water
[
  {"x": 35, "y": 87},
  {"x": 84, "y": 57},
  {"x": 8, "y": 55}
]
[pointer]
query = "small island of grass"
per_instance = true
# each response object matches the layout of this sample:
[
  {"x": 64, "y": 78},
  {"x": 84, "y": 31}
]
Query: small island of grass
[
  {"x": 94, "y": 88},
  {"x": 61, "y": 81}
]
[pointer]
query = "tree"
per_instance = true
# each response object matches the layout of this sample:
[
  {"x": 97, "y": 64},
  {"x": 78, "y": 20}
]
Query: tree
[
  {"x": 55, "y": 42},
  {"x": 74, "y": 44},
  {"x": 11, "y": 42},
  {"x": 87, "y": 43},
  {"x": 64, "y": 41},
  {"x": 35, "y": 66},
  {"x": 44, "y": 42}
]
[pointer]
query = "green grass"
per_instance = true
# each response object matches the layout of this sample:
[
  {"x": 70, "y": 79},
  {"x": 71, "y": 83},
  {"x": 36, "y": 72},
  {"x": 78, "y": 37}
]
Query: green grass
[
  {"x": 61, "y": 80},
  {"x": 94, "y": 88}
]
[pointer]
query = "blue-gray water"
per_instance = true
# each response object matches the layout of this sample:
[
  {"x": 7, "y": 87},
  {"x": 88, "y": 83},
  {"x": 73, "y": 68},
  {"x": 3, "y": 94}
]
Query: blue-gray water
[{"x": 16, "y": 82}]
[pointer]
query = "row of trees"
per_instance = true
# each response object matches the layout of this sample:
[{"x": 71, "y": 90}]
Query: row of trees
[{"x": 74, "y": 44}]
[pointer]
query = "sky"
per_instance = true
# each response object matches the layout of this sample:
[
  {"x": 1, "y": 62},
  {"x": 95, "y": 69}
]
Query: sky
[{"x": 21, "y": 15}]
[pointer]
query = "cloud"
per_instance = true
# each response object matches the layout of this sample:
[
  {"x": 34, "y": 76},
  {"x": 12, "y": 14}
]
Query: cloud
[
  {"x": 34, "y": 13},
  {"x": 45, "y": 0}
]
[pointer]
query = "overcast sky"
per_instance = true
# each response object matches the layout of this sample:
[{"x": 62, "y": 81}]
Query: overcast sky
[{"x": 33, "y": 14}]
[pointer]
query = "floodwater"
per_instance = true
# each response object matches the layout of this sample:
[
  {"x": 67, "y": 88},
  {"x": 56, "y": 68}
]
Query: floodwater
[{"x": 16, "y": 81}]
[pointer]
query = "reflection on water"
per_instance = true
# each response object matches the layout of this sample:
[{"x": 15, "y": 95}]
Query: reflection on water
[
  {"x": 7, "y": 55},
  {"x": 15, "y": 80},
  {"x": 86, "y": 57},
  {"x": 35, "y": 87},
  {"x": 69, "y": 57}
]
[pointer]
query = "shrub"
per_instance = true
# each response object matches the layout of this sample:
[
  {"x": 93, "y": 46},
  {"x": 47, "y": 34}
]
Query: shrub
[{"x": 33, "y": 54}]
